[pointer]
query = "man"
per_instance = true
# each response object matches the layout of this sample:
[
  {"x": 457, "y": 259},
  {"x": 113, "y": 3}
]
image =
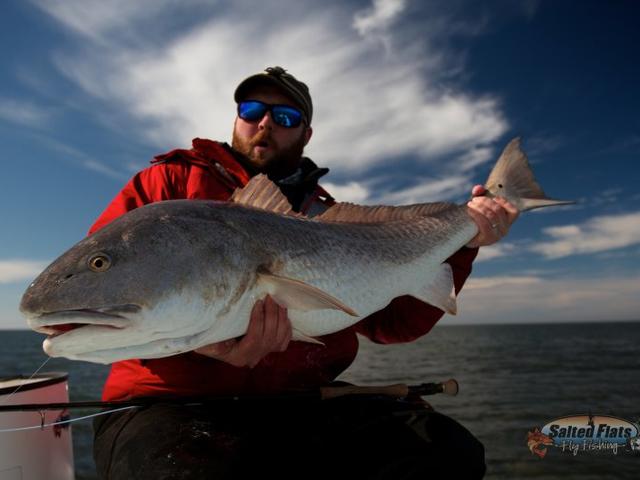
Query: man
[{"x": 271, "y": 129}]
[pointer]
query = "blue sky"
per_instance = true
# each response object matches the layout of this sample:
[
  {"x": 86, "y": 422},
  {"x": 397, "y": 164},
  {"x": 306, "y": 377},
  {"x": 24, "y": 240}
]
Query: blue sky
[{"x": 413, "y": 102}]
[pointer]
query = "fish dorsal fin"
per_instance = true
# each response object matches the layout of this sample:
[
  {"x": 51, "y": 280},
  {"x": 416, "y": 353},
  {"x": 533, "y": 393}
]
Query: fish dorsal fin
[
  {"x": 351, "y": 213},
  {"x": 262, "y": 193}
]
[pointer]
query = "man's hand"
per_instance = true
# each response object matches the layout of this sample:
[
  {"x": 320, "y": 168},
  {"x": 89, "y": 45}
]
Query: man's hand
[
  {"x": 269, "y": 331},
  {"x": 493, "y": 216}
]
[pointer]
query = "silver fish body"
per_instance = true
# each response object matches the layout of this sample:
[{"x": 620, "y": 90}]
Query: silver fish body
[{"x": 173, "y": 276}]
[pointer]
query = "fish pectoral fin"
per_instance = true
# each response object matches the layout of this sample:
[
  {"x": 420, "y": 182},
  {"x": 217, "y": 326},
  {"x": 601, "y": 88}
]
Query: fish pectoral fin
[
  {"x": 302, "y": 337},
  {"x": 297, "y": 295},
  {"x": 440, "y": 292}
]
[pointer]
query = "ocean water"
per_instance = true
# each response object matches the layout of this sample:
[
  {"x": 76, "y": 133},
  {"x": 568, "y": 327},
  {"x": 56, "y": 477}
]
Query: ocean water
[{"x": 512, "y": 378}]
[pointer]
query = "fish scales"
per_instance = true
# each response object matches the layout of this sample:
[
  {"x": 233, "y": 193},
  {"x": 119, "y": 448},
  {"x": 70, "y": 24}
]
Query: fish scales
[{"x": 354, "y": 262}]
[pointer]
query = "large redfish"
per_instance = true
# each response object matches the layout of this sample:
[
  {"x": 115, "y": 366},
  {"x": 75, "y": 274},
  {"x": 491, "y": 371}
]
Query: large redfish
[{"x": 173, "y": 276}]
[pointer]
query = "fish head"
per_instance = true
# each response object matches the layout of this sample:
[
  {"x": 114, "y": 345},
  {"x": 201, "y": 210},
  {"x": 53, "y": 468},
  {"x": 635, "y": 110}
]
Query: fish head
[{"x": 157, "y": 274}]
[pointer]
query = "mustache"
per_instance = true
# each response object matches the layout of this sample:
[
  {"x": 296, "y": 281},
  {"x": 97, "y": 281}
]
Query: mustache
[{"x": 261, "y": 136}]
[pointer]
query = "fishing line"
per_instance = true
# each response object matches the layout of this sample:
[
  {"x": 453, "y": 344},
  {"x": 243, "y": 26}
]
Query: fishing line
[
  {"x": 62, "y": 422},
  {"x": 6, "y": 399}
]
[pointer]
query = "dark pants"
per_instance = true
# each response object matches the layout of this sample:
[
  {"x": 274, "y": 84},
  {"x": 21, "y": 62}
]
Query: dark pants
[{"x": 236, "y": 440}]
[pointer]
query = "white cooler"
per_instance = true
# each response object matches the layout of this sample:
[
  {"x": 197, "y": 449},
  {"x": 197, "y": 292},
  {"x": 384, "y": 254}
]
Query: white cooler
[{"x": 38, "y": 454}]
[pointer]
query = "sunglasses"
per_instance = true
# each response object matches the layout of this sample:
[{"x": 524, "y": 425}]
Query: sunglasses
[{"x": 283, "y": 115}]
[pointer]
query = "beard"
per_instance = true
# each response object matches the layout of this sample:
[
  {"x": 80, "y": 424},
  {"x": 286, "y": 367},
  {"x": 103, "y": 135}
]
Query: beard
[{"x": 278, "y": 162}]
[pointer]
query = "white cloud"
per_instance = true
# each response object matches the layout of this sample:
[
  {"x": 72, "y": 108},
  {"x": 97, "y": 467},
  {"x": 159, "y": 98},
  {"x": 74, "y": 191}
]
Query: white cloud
[
  {"x": 495, "y": 251},
  {"x": 12, "y": 271},
  {"x": 427, "y": 190},
  {"x": 378, "y": 17},
  {"x": 519, "y": 299},
  {"x": 23, "y": 113},
  {"x": 354, "y": 192},
  {"x": 605, "y": 197},
  {"x": 96, "y": 166},
  {"x": 97, "y": 19},
  {"x": 369, "y": 107},
  {"x": 474, "y": 157},
  {"x": 82, "y": 159},
  {"x": 501, "y": 281},
  {"x": 598, "y": 234}
]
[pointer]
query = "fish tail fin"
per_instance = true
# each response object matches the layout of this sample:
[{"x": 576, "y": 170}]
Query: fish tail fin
[{"x": 512, "y": 178}]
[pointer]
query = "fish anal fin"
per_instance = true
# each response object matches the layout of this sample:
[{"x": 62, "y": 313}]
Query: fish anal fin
[
  {"x": 440, "y": 292},
  {"x": 262, "y": 193},
  {"x": 302, "y": 337},
  {"x": 297, "y": 295}
]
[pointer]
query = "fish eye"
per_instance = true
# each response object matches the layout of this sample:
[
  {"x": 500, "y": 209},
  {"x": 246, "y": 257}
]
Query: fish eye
[{"x": 99, "y": 262}]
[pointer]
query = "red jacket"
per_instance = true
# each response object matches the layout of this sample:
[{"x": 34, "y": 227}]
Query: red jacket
[{"x": 209, "y": 171}]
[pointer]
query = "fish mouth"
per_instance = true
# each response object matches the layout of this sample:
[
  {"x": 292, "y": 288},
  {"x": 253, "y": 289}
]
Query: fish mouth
[{"x": 60, "y": 322}]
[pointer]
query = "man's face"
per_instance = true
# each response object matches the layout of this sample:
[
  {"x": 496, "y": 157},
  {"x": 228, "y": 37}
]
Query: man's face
[{"x": 270, "y": 148}]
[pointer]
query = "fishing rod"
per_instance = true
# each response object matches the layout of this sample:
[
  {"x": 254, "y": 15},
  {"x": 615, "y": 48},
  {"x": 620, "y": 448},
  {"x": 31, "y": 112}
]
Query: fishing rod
[{"x": 449, "y": 387}]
